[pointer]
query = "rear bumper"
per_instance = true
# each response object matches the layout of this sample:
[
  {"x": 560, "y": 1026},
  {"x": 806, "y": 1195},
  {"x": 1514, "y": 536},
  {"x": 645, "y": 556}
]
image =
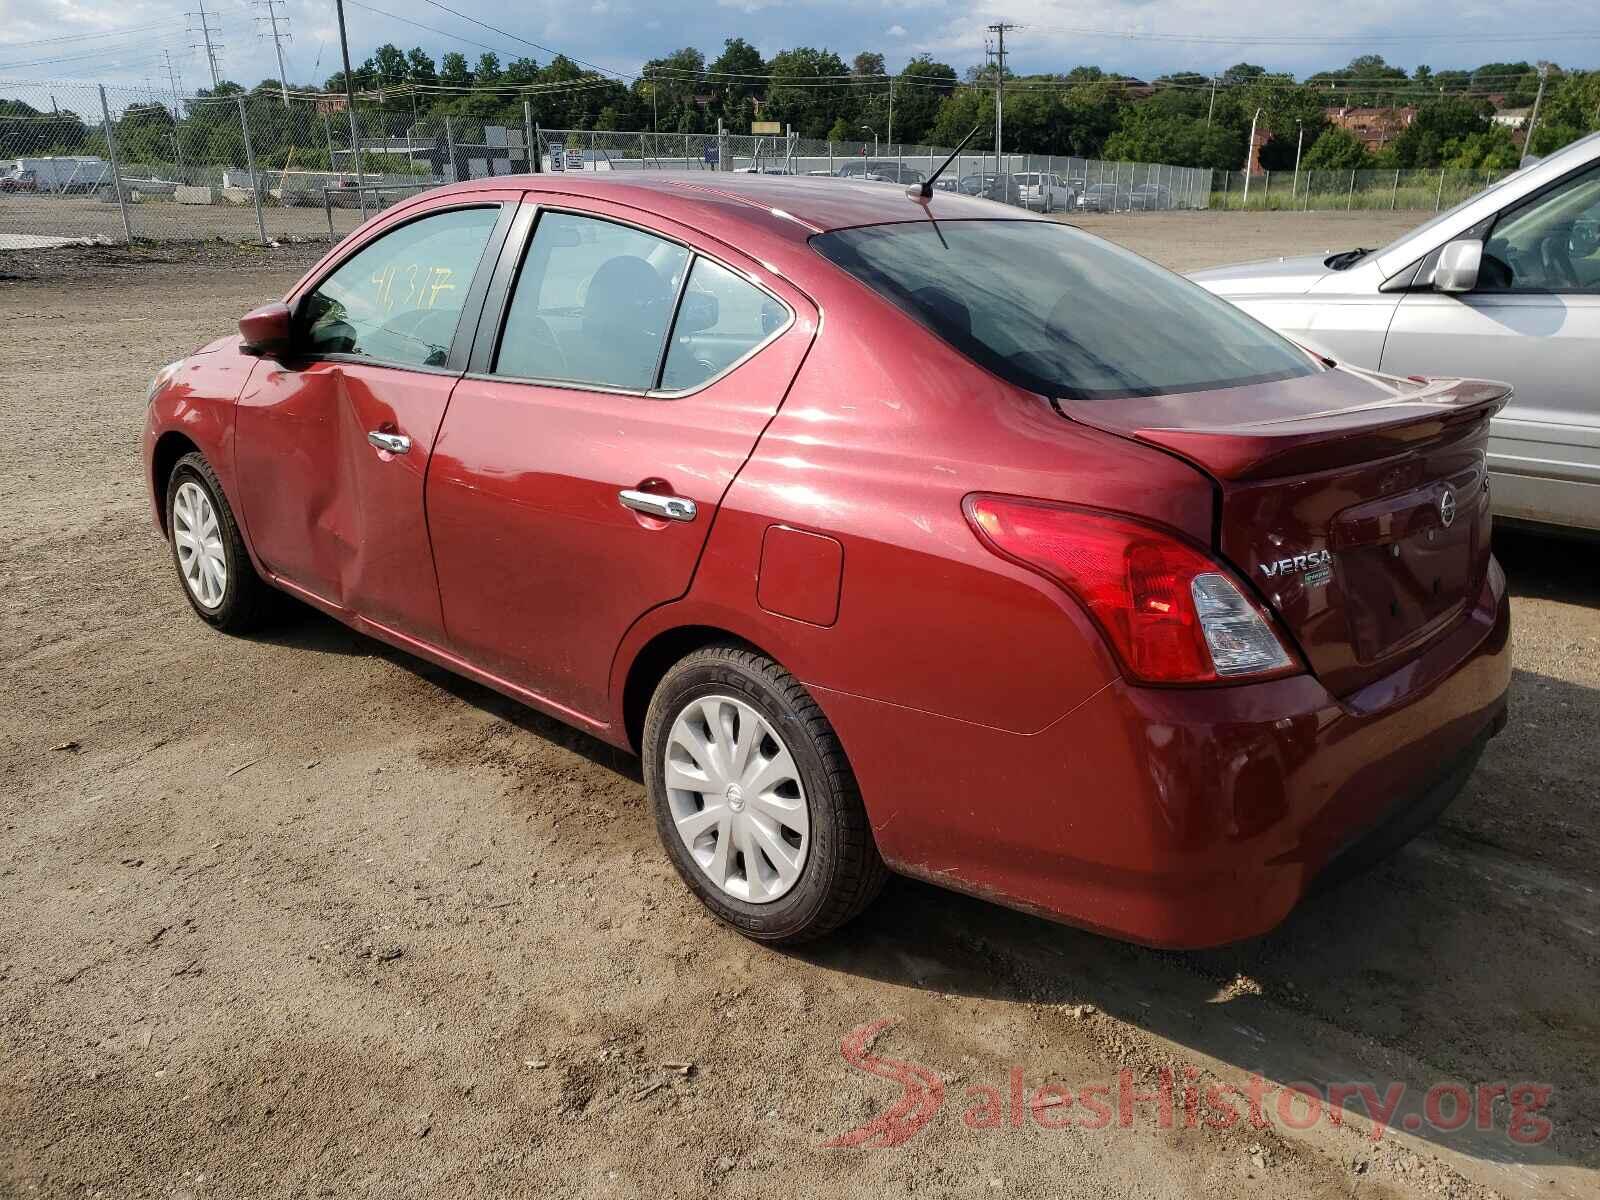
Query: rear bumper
[{"x": 1178, "y": 817}]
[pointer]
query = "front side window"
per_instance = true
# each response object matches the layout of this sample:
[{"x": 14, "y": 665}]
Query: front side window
[
  {"x": 1060, "y": 312},
  {"x": 722, "y": 319},
  {"x": 398, "y": 300},
  {"x": 1551, "y": 243},
  {"x": 592, "y": 304}
]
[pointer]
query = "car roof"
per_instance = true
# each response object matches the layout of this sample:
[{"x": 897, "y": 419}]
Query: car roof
[{"x": 797, "y": 206}]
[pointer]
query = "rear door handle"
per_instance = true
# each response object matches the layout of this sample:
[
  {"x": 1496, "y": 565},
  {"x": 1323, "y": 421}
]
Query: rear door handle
[
  {"x": 672, "y": 508},
  {"x": 394, "y": 443}
]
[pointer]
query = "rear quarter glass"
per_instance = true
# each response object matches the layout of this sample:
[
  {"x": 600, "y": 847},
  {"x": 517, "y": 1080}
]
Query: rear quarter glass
[{"x": 1060, "y": 312}]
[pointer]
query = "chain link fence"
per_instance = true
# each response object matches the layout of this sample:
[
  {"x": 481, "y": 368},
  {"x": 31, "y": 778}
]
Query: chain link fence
[
  {"x": 1043, "y": 182},
  {"x": 112, "y": 164},
  {"x": 1322, "y": 191}
]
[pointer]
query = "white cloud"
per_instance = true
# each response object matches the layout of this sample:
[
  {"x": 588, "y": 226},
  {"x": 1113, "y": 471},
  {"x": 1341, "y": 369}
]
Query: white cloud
[{"x": 897, "y": 31}]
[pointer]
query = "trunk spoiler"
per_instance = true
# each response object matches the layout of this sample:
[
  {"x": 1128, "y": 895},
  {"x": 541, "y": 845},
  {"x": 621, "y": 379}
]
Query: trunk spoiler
[{"x": 1306, "y": 426}]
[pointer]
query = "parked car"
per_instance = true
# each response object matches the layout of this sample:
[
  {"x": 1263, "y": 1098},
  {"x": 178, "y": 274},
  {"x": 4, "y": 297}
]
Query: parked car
[
  {"x": 1506, "y": 284},
  {"x": 1044, "y": 191},
  {"x": 1101, "y": 197},
  {"x": 883, "y": 170},
  {"x": 1150, "y": 197},
  {"x": 992, "y": 186},
  {"x": 976, "y": 580}
]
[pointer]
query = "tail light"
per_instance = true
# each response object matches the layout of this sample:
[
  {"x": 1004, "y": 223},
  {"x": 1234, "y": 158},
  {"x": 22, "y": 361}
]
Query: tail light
[{"x": 1171, "y": 613}]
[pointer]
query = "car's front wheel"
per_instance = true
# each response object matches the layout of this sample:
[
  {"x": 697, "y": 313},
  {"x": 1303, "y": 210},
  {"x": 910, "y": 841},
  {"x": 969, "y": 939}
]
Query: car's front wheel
[
  {"x": 754, "y": 798},
  {"x": 213, "y": 565}
]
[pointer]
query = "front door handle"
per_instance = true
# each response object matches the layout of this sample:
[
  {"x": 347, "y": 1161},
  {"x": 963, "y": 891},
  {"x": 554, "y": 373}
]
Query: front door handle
[
  {"x": 394, "y": 443},
  {"x": 672, "y": 508}
]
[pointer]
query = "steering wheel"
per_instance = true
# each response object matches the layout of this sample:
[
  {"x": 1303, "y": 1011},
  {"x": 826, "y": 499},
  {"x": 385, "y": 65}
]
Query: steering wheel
[{"x": 1555, "y": 260}]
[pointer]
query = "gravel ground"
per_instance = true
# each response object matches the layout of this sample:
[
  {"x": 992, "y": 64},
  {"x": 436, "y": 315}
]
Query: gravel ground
[{"x": 300, "y": 915}]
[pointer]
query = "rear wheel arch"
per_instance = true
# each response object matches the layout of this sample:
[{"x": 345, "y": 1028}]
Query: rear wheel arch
[{"x": 658, "y": 656}]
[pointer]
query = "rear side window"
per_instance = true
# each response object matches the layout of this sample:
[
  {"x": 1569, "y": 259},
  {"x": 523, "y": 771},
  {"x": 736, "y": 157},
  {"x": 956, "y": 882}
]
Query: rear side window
[
  {"x": 592, "y": 304},
  {"x": 722, "y": 319},
  {"x": 1059, "y": 312},
  {"x": 398, "y": 299}
]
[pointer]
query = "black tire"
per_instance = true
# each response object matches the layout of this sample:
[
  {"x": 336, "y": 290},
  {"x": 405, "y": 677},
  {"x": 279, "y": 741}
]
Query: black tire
[
  {"x": 246, "y": 601},
  {"x": 842, "y": 872}
]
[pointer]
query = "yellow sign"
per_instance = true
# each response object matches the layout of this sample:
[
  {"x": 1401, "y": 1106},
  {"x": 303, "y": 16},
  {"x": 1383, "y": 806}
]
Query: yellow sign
[{"x": 766, "y": 127}]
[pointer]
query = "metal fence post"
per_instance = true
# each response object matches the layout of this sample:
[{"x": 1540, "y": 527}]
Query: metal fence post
[
  {"x": 116, "y": 172},
  {"x": 830, "y": 157},
  {"x": 1350, "y": 199},
  {"x": 327, "y": 210},
  {"x": 1438, "y": 199},
  {"x": 527, "y": 132},
  {"x": 250, "y": 164},
  {"x": 450, "y": 148},
  {"x": 1394, "y": 192}
]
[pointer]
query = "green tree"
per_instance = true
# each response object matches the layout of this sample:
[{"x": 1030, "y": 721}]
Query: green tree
[
  {"x": 1517, "y": 81},
  {"x": 1336, "y": 149},
  {"x": 812, "y": 108},
  {"x": 420, "y": 67},
  {"x": 1492, "y": 150},
  {"x": 733, "y": 83},
  {"x": 1422, "y": 143},
  {"x": 919, "y": 90},
  {"x": 1145, "y": 134},
  {"x": 453, "y": 69}
]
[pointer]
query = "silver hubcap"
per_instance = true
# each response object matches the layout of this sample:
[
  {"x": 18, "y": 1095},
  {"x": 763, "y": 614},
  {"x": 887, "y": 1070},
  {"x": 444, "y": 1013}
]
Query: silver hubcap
[
  {"x": 198, "y": 536},
  {"x": 736, "y": 799}
]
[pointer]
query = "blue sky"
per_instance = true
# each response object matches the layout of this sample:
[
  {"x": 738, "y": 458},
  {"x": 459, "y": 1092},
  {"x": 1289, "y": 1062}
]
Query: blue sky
[{"x": 1138, "y": 38}]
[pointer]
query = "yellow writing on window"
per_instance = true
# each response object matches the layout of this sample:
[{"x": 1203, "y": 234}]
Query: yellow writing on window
[{"x": 407, "y": 286}]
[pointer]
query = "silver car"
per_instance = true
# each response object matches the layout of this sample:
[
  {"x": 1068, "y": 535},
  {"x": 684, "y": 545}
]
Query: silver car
[{"x": 1505, "y": 286}]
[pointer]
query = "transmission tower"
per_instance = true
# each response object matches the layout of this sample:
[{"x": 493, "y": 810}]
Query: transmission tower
[
  {"x": 211, "y": 46},
  {"x": 275, "y": 24}
]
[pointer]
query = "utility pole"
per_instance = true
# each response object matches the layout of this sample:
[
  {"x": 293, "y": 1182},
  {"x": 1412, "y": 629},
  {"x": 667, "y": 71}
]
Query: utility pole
[
  {"x": 275, "y": 14},
  {"x": 205, "y": 31},
  {"x": 1299, "y": 142},
  {"x": 891, "y": 110},
  {"x": 172, "y": 79},
  {"x": 1533, "y": 118},
  {"x": 1250, "y": 157},
  {"x": 999, "y": 30},
  {"x": 350, "y": 110},
  {"x": 1210, "y": 108}
]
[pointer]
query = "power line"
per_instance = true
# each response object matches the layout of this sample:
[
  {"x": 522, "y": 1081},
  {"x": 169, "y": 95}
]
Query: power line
[
  {"x": 514, "y": 37},
  {"x": 429, "y": 28},
  {"x": 1316, "y": 39},
  {"x": 83, "y": 37}
]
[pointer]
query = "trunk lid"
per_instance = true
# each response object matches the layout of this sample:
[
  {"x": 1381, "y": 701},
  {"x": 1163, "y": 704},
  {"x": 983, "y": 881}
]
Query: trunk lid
[{"x": 1356, "y": 504}]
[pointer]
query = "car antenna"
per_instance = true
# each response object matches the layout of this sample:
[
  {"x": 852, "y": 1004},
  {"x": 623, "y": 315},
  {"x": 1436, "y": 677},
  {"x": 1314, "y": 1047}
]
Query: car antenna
[{"x": 924, "y": 190}]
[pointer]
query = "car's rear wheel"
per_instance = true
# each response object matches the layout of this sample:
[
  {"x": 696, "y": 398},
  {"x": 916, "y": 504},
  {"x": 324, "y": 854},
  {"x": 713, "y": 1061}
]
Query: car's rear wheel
[
  {"x": 754, "y": 798},
  {"x": 213, "y": 565}
]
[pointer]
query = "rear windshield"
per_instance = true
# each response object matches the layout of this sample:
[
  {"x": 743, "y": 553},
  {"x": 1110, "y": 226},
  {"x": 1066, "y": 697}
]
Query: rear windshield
[{"x": 1059, "y": 312}]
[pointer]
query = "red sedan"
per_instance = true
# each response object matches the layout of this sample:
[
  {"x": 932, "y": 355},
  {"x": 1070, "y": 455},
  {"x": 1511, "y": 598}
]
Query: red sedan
[{"x": 894, "y": 532}]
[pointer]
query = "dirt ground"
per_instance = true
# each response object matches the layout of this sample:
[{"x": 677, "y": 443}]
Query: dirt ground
[{"x": 302, "y": 916}]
